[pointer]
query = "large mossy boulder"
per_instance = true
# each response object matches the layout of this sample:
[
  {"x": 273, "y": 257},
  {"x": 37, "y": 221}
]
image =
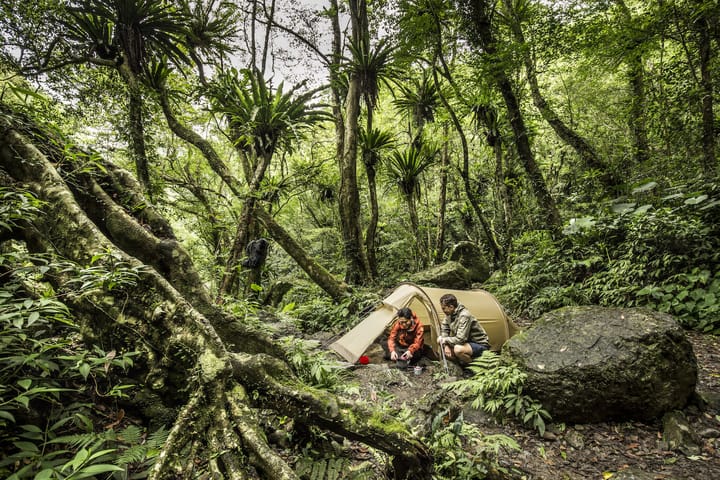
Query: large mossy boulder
[
  {"x": 447, "y": 275},
  {"x": 592, "y": 364},
  {"x": 470, "y": 256}
]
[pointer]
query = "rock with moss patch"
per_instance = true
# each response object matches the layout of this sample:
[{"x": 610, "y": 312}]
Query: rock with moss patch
[
  {"x": 593, "y": 364},
  {"x": 447, "y": 275},
  {"x": 470, "y": 256}
]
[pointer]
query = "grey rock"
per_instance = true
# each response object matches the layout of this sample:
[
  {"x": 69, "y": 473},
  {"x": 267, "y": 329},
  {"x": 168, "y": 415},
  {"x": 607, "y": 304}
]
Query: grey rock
[
  {"x": 592, "y": 364},
  {"x": 447, "y": 275},
  {"x": 470, "y": 256},
  {"x": 679, "y": 435}
]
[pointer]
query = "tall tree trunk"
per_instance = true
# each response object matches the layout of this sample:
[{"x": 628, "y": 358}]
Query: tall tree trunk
[
  {"x": 315, "y": 271},
  {"x": 487, "y": 230},
  {"x": 480, "y": 27},
  {"x": 137, "y": 128},
  {"x": 465, "y": 172},
  {"x": 357, "y": 268},
  {"x": 702, "y": 25},
  {"x": 371, "y": 231},
  {"x": 370, "y": 171},
  {"x": 576, "y": 141},
  {"x": 636, "y": 76},
  {"x": 442, "y": 198},
  {"x": 195, "y": 363}
]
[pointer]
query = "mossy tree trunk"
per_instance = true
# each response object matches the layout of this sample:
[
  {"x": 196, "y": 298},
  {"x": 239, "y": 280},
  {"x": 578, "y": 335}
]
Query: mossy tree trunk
[{"x": 216, "y": 371}]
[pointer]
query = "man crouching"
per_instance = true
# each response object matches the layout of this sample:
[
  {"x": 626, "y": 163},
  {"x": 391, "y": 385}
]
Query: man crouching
[{"x": 462, "y": 336}]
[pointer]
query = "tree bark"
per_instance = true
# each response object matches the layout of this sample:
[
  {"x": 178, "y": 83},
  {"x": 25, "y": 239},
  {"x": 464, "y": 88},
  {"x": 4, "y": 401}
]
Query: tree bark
[
  {"x": 636, "y": 76},
  {"x": 482, "y": 35},
  {"x": 371, "y": 231},
  {"x": 576, "y": 141},
  {"x": 358, "y": 270},
  {"x": 205, "y": 365},
  {"x": 315, "y": 271},
  {"x": 702, "y": 26},
  {"x": 442, "y": 199},
  {"x": 137, "y": 127}
]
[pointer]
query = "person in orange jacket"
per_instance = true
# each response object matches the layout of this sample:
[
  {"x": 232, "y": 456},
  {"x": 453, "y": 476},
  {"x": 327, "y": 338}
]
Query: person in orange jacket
[{"x": 405, "y": 342}]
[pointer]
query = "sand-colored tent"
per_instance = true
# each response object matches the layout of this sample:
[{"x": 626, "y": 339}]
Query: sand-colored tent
[{"x": 425, "y": 302}]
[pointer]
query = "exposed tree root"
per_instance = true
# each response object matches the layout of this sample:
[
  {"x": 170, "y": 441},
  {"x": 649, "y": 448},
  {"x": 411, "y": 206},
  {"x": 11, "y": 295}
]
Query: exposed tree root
[{"x": 195, "y": 362}]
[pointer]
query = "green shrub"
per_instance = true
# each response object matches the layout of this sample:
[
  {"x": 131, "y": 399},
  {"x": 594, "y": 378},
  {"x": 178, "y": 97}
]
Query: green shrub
[
  {"x": 462, "y": 450},
  {"x": 496, "y": 388},
  {"x": 650, "y": 250}
]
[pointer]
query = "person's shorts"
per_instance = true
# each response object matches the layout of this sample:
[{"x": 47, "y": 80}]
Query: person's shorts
[{"x": 477, "y": 349}]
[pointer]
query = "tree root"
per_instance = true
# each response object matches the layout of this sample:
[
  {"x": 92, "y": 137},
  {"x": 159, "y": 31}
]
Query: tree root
[{"x": 218, "y": 420}]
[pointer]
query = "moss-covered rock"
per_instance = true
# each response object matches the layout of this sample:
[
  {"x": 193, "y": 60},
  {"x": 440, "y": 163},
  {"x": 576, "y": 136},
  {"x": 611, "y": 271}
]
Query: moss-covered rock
[
  {"x": 591, "y": 364},
  {"x": 470, "y": 256},
  {"x": 448, "y": 275}
]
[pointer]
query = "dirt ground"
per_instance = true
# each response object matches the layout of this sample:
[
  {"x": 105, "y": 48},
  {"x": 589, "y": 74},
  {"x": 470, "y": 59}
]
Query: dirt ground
[{"x": 621, "y": 451}]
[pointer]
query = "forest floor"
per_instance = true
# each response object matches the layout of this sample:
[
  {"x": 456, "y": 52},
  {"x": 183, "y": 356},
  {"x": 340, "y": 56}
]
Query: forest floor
[{"x": 619, "y": 451}]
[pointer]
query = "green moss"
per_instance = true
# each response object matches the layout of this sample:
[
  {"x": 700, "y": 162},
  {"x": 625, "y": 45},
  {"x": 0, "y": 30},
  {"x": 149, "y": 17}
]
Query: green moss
[
  {"x": 381, "y": 421},
  {"x": 210, "y": 365}
]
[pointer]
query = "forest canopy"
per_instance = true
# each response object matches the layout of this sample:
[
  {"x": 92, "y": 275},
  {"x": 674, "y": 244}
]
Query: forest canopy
[{"x": 172, "y": 172}]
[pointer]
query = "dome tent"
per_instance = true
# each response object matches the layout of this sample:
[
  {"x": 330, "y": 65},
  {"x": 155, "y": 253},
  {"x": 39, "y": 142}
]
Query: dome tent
[{"x": 425, "y": 302}]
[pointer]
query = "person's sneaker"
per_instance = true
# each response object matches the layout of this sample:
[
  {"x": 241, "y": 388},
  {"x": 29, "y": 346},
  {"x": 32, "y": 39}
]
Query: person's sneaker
[{"x": 467, "y": 373}]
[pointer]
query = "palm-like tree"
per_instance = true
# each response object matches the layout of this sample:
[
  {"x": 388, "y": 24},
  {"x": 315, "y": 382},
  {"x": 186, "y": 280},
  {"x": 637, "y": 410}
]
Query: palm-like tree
[
  {"x": 370, "y": 67},
  {"x": 419, "y": 100},
  {"x": 372, "y": 144},
  {"x": 262, "y": 120},
  {"x": 134, "y": 35},
  {"x": 129, "y": 35},
  {"x": 404, "y": 169}
]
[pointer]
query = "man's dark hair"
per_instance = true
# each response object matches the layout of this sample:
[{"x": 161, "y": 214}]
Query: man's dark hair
[
  {"x": 449, "y": 299},
  {"x": 405, "y": 312}
]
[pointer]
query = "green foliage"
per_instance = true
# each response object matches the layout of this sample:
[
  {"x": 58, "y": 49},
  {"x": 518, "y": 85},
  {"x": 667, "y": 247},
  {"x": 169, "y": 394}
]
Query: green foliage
[
  {"x": 497, "y": 389},
  {"x": 405, "y": 167},
  {"x": 53, "y": 388},
  {"x": 16, "y": 206},
  {"x": 44, "y": 368},
  {"x": 106, "y": 271},
  {"x": 463, "y": 451},
  {"x": 264, "y": 119},
  {"x": 141, "y": 29},
  {"x": 315, "y": 367},
  {"x": 316, "y": 312},
  {"x": 52, "y": 453},
  {"x": 657, "y": 250},
  {"x": 372, "y": 66}
]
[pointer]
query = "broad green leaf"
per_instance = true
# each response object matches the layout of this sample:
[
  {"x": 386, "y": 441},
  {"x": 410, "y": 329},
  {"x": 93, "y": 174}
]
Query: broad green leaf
[{"x": 84, "y": 370}]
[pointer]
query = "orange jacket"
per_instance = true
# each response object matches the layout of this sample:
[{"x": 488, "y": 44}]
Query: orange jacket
[{"x": 410, "y": 338}]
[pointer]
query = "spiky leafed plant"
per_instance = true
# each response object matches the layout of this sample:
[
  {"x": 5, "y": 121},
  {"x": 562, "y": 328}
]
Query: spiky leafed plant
[
  {"x": 373, "y": 66},
  {"x": 404, "y": 169},
  {"x": 419, "y": 99},
  {"x": 372, "y": 144},
  {"x": 212, "y": 28},
  {"x": 261, "y": 118},
  {"x": 138, "y": 30}
]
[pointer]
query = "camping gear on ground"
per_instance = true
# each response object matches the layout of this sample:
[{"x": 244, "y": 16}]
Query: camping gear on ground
[{"x": 425, "y": 302}]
